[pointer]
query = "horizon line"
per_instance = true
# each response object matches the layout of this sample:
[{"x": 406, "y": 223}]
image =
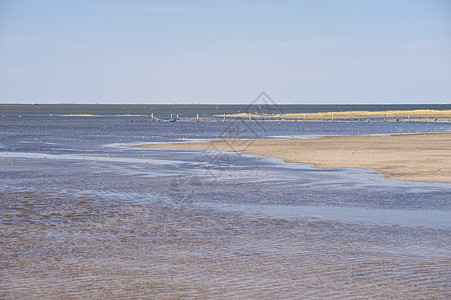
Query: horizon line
[{"x": 216, "y": 104}]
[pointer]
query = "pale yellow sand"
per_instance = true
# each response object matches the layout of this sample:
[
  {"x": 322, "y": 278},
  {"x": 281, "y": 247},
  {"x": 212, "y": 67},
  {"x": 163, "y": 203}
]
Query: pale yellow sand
[{"x": 416, "y": 157}]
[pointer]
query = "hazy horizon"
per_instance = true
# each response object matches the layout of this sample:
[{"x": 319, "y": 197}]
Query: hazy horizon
[{"x": 233, "y": 103}]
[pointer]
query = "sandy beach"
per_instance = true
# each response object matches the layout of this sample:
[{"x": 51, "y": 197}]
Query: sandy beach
[{"x": 413, "y": 157}]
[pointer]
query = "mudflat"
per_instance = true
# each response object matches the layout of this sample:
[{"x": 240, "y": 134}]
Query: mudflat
[{"x": 407, "y": 157}]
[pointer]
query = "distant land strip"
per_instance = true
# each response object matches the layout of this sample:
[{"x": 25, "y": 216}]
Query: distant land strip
[{"x": 427, "y": 115}]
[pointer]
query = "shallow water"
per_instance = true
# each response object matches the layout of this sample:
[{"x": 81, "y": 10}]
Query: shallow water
[{"x": 84, "y": 215}]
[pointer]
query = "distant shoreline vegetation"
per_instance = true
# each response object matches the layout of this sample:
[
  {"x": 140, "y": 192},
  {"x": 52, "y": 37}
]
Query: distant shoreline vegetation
[
  {"x": 391, "y": 115},
  {"x": 399, "y": 114},
  {"x": 254, "y": 111}
]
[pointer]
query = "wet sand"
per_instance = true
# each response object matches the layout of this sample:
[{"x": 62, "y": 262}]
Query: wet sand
[
  {"x": 413, "y": 157},
  {"x": 119, "y": 229},
  {"x": 95, "y": 233}
]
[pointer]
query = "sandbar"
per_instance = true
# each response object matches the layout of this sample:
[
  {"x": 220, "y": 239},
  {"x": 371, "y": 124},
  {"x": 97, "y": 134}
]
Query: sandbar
[
  {"x": 406, "y": 157},
  {"x": 424, "y": 115}
]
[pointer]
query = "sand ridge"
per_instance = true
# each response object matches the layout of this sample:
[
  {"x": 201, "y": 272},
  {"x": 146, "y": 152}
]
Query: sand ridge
[{"x": 407, "y": 157}]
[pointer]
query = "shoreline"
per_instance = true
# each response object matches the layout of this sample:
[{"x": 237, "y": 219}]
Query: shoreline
[
  {"x": 344, "y": 115},
  {"x": 405, "y": 157}
]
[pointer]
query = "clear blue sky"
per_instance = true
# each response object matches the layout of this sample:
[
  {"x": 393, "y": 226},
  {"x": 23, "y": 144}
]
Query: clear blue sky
[{"x": 340, "y": 51}]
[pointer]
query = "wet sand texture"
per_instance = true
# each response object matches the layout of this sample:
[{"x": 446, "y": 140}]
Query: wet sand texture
[{"x": 415, "y": 157}]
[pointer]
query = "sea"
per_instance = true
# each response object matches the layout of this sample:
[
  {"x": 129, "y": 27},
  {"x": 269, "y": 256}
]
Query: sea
[{"x": 85, "y": 214}]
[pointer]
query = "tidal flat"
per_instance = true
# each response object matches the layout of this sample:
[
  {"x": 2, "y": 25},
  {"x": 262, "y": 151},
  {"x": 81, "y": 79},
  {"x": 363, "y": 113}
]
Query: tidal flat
[{"x": 84, "y": 214}]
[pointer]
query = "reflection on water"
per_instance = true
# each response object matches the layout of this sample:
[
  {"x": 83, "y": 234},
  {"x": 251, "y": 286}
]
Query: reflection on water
[
  {"x": 79, "y": 229},
  {"x": 83, "y": 219},
  {"x": 356, "y": 215}
]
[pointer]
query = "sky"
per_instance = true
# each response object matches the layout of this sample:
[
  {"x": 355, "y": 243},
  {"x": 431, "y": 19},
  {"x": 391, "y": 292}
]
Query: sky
[{"x": 215, "y": 52}]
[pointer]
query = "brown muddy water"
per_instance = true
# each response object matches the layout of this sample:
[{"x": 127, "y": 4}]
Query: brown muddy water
[{"x": 83, "y": 215}]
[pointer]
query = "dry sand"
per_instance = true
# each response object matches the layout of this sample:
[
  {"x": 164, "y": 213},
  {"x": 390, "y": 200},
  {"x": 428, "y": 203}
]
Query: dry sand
[{"x": 413, "y": 157}]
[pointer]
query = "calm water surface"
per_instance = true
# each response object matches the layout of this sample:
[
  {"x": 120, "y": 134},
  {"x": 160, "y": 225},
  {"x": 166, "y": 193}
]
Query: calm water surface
[{"x": 84, "y": 215}]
